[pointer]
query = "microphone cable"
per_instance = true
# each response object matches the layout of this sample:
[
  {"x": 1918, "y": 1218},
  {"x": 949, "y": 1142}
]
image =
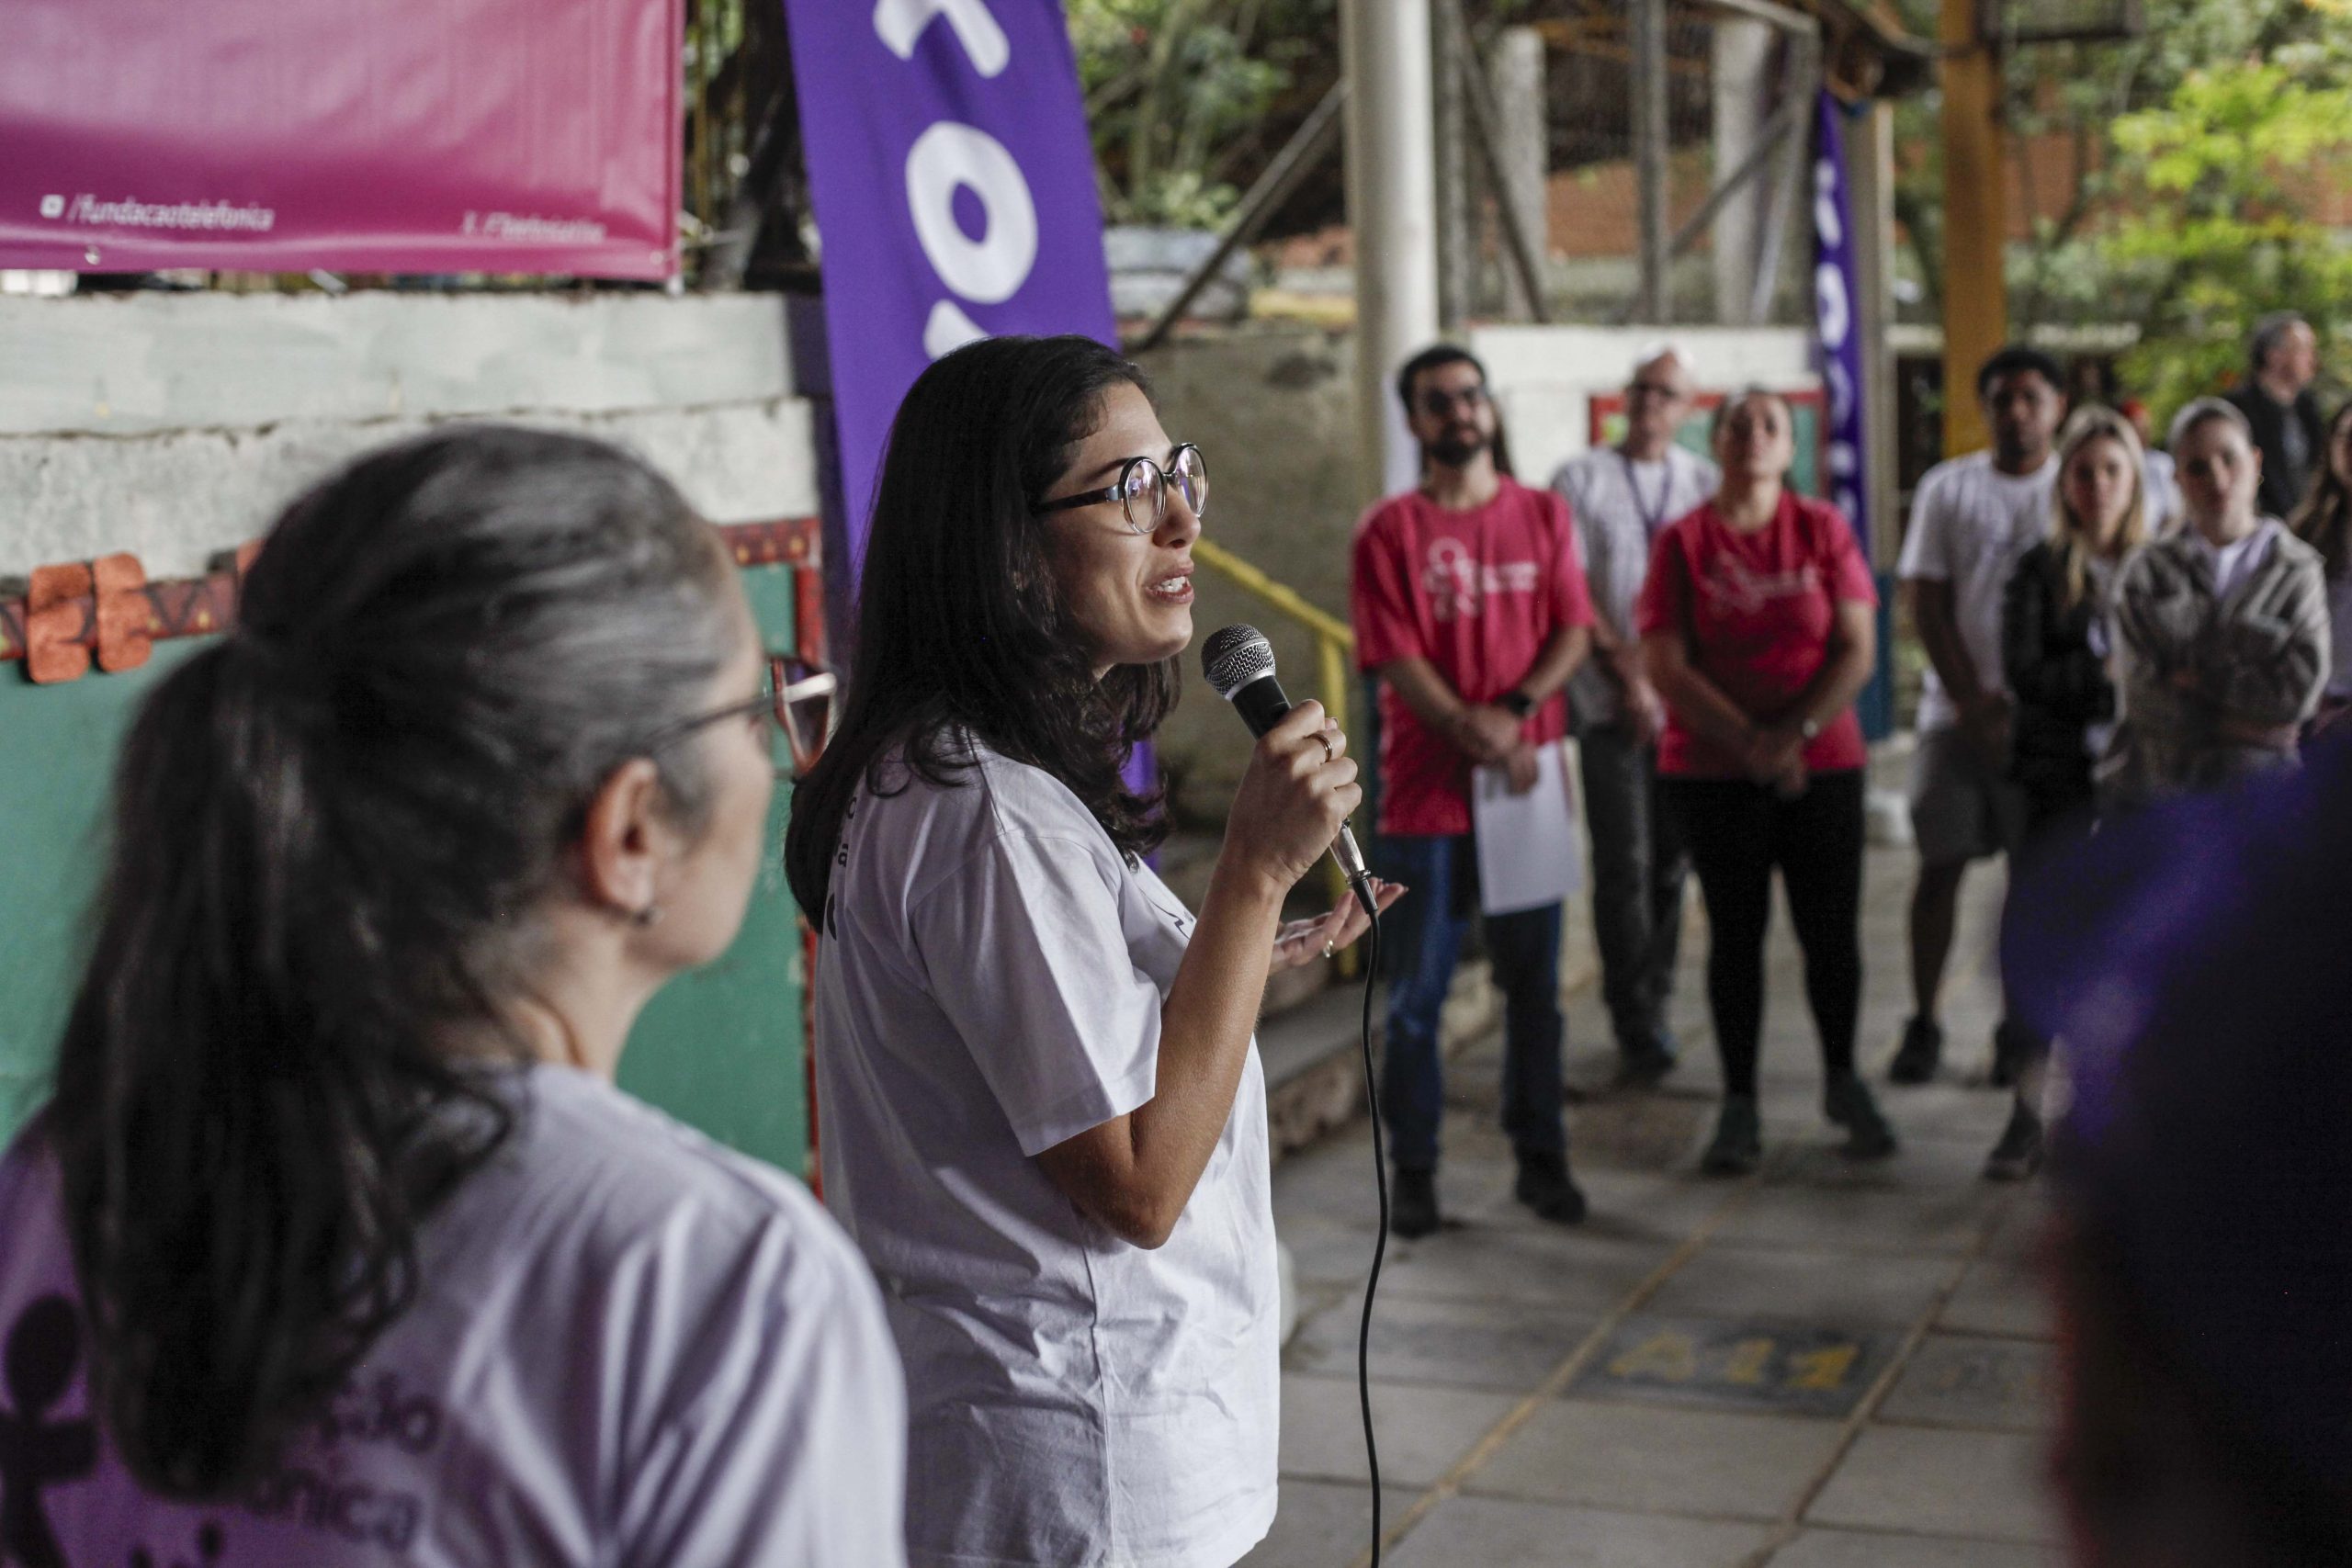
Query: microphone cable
[{"x": 1380, "y": 1239}]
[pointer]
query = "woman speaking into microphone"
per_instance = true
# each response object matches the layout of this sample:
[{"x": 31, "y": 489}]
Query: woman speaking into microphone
[{"x": 1044, "y": 1114}]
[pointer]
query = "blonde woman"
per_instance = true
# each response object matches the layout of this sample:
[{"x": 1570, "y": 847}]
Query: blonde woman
[{"x": 2057, "y": 636}]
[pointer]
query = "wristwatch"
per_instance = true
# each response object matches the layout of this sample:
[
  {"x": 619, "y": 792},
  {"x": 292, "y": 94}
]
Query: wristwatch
[{"x": 1519, "y": 705}]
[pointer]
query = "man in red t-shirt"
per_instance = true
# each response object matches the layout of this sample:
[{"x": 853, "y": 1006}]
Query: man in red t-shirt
[{"x": 1470, "y": 606}]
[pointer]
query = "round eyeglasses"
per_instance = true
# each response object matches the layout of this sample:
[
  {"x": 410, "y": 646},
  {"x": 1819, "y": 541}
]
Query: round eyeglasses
[
  {"x": 1142, "y": 490},
  {"x": 798, "y": 699}
]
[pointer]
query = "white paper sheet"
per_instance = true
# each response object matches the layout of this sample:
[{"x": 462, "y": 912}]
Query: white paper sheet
[{"x": 1528, "y": 854}]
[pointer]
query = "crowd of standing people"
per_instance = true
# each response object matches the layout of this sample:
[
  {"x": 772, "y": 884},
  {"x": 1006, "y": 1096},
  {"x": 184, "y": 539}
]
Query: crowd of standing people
[
  {"x": 334, "y": 1239},
  {"x": 2106, "y": 627}
]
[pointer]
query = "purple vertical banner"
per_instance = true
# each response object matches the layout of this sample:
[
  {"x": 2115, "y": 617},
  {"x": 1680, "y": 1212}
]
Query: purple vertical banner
[
  {"x": 1835, "y": 293},
  {"x": 1836, "y": 298},
  {"x": 954, "y": 184}
]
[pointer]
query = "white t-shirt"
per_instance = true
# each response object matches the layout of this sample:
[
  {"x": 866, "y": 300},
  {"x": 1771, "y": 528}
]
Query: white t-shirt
[
  {"x": 631, "y": 1347},
  {"x": 989, "y": 986},
  {"x": 2162, "y": 485},
  {"x": 1969, "y": 523},
  {"x": 1620, "y": 507},
  {"x": 2232, "y": 563}
]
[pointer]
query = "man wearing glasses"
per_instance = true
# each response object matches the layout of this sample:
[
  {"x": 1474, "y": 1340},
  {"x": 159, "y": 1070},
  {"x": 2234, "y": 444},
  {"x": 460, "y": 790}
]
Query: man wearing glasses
[
  {"x": 1622, "y": 497},
  {"x": 1470, "y": 606}
]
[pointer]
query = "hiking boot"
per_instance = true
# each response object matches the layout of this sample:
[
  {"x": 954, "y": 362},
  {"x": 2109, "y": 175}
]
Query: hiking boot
[
  {"x": 1922, "y": 1051},
  {"x": 1545, "y": 1187},
  {"x": 1412, "y": 1203},
  {"x": 1738, "y": 1145},
  {"x": 1848, "y": 1101},
  {"x": 2014, "y": 1048},
  {"x": 2018, "y": 1154}
]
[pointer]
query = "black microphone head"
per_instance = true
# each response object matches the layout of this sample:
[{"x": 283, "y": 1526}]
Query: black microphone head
[{"x": 1234, "y": 657}]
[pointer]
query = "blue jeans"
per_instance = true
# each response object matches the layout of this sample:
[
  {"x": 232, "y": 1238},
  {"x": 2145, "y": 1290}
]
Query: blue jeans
[{"x": 1420, "y": 941}]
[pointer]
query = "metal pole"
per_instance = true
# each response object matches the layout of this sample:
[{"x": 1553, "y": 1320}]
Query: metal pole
[
  {"x": 1392, "y": 208},
  {"x": 1523, "y": 243},
  {"x": 1741, "y": 48},
  {"x": 1457, "y": 269},
  {"x": 1306, "y": 148},
  {"x": 1522, "y": 148},
  {"x": 1800, "y": 81},
  {"x": 1649, "y": 152}
]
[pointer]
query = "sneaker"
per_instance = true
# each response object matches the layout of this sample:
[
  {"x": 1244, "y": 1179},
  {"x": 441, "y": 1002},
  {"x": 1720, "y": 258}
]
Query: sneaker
[
  {"x": 2018, "y": 1154},
  {"x": 1412, "y": 1203},
  {"x": 1545, "y": 1187},
  {"x": 1849, "y": 1102},
  {"x": 2013, "y": 1047},
  {"x": 1738, "y": 1145},
  {"x": 1922, "y": 1049}
]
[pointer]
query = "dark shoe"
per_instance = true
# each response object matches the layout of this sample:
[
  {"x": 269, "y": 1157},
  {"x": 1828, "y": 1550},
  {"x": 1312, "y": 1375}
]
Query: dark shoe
[
  {"x": 2018, "y": 1154},
  {"x": 1738, "y": 1145},
  {"x": 1848, "y": 1102},
  {"x": 1922, "y": 1051},
  {"x": 1545, "y": 1187},
  {"x": 2013, "y": 1049},
  {"x": 1647, "y": 1062},
  {"x": 1412, "y": 1203}
]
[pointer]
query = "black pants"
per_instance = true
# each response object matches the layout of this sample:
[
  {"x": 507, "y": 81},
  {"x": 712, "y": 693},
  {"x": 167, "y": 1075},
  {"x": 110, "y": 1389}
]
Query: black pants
[
  {"x": 1737, "y": 833},
  {"x": 1637, "y": 872}
]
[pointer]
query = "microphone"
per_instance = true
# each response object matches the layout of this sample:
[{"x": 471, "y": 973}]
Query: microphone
[{"x": 1239, "y": 666}]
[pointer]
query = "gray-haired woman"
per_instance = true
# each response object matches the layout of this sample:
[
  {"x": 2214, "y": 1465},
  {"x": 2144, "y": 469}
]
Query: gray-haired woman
[{"x": 2222, "y": 626}]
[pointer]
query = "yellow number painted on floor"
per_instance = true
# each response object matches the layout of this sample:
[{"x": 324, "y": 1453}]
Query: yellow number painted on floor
[
  {"x": 1823, "y": 1370},
  {"x": 1668, "y": 1357}
]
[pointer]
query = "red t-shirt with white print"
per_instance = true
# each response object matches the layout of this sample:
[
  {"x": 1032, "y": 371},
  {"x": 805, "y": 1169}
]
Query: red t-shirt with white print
[
  {"x": 1756, "y": 609},
  {"x": 1478, "y": 593}
]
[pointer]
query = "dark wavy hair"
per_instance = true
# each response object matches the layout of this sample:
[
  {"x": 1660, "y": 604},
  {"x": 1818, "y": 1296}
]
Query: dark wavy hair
[
  {"x": 960, "y": 627},
  {"x": 331, "y": 831}
]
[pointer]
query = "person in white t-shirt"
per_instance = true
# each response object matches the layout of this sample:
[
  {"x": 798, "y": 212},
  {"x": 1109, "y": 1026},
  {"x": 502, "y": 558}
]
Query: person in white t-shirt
[
  {"x": 1972, "y": 518},
  {"x": 336, "y": 1244},
  {"x": 1044, "y": 1115},
  {"x": 1621, "y": 499}
]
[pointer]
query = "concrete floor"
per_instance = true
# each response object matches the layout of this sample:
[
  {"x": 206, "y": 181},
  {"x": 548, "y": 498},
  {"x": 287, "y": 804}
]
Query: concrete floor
[{"x": 1822, "y": 1366}]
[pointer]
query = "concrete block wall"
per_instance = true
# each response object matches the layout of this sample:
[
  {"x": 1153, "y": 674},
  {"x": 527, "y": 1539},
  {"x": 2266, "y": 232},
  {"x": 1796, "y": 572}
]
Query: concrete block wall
[{"x": 175, "y": 425}]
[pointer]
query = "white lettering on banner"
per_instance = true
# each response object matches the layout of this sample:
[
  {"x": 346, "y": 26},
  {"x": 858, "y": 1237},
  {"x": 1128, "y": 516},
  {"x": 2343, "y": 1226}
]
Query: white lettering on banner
[
  {"x": 991, "y": 269},
  {"x": 1836, "y": 313},
  {"x": 948, "y": 329},
  {"x": 132, "y": 213},
  {"x": 900, "y": 24}
]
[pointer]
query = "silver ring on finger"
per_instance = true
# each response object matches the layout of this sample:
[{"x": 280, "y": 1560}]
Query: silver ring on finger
[
  {"x": 1329, "y": 952},
  {"x": 1330, "y": 752}
]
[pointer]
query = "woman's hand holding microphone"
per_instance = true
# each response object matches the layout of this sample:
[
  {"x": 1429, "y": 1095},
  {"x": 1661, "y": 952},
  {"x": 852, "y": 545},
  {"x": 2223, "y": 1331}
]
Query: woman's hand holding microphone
[{"x": 1299, "y": 789}]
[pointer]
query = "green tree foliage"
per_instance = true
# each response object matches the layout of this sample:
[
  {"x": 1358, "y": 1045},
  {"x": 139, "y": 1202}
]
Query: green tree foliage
[
  {"x": 2193, "y": 153},
  {"x": 1177, "y": 92},
  {"x": 2218, "y": 227}
]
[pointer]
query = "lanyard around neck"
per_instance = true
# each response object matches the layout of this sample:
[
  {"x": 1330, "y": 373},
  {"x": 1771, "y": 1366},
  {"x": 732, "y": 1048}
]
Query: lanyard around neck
[{"x": 1651, "y": 515}]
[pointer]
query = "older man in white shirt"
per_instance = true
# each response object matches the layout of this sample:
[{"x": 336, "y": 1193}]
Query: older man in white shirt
[{"x": 1620, "y": 498}]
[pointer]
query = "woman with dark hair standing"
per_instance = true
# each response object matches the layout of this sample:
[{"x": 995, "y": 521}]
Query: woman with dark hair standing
[
  {"x": 1044, "y": 1116},
  {"x": 2324, "y": 522},
  {"x": 335, "y": 1221},
  {"x": 1756, "y": 620}
]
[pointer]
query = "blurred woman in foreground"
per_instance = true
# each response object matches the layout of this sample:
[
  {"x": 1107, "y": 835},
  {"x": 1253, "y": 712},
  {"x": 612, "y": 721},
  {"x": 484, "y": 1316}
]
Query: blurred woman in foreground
[{"x": 335, "y": 1244}]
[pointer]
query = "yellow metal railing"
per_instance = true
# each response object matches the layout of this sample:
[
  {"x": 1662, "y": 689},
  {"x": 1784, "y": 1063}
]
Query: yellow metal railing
[{"x": 1335, "y": 642}]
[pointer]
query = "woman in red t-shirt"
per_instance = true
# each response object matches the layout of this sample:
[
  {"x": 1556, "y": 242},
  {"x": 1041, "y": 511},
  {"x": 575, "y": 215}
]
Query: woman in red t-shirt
[{"x": 1757, "y": 622}]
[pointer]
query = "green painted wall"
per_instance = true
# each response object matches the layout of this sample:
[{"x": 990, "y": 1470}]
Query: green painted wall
[{"x": 721, "y": 1048}]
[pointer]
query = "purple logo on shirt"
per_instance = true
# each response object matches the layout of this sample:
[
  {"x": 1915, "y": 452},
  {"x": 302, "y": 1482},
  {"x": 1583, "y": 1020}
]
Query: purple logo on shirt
[{"x": 44, "y": 1351}]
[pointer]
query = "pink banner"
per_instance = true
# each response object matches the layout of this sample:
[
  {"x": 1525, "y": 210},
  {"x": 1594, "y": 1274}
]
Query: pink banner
[{"x": 510, "y": 136}]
